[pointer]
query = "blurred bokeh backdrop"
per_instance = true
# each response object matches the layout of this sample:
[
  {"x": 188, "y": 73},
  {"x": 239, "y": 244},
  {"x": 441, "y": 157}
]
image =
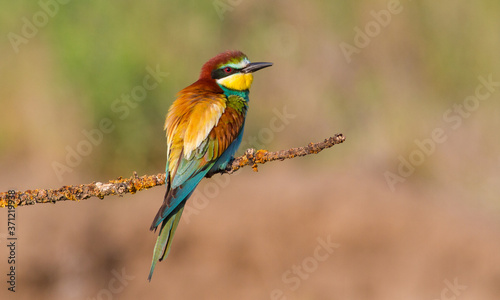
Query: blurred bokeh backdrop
[{"x": 406, "y": 208}]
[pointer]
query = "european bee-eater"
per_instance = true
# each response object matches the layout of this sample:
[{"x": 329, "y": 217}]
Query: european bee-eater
[{"x": 204, "y": 127}]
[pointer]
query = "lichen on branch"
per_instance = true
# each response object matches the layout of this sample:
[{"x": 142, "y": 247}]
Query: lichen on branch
[{"x": 135, "y": 183}]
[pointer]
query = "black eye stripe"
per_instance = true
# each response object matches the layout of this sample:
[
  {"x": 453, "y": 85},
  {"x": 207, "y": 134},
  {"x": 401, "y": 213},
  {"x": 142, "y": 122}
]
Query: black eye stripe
[{"x": 221, "y": 73}]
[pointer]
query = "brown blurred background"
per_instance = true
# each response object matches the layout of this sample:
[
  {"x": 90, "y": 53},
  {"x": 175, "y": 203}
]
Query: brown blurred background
[{"x": 410, "y": 200}]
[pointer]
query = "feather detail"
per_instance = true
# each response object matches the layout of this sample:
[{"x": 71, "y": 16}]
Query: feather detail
[
  {"x": 164, "y": 240},
  {"x": 204, "y": 117}
]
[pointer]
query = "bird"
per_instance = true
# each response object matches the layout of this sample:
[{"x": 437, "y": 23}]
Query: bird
[{"x": 204, "y": 128}]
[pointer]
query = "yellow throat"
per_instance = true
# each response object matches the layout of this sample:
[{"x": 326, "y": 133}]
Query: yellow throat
[{"x": 238, "y": 81}]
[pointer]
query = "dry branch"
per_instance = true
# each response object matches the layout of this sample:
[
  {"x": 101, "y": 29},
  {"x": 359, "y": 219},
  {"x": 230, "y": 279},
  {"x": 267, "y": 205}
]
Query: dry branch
[{"x": 135, "y": 183}]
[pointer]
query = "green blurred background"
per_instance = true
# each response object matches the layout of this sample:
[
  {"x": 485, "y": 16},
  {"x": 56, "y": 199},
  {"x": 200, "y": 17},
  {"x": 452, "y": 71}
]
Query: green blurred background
[{"x": 407, "y": 240}]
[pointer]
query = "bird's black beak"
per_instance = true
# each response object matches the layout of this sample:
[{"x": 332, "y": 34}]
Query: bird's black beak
[{"x": 252, "y": 67}]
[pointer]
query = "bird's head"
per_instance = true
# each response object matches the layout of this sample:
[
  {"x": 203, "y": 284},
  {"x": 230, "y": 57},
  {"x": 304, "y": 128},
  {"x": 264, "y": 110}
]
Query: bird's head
[{"x": 232, "y": 70}]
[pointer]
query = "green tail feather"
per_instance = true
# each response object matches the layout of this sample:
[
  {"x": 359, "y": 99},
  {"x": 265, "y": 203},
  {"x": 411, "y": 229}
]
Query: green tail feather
[{"x": 164, "y": 241}]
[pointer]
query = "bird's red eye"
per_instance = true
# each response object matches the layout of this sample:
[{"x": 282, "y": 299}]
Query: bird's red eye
[{"x": 228, "y": 69}]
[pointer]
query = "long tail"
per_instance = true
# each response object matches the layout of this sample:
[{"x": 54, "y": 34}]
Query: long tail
[{"x": 164, "y": 241}]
